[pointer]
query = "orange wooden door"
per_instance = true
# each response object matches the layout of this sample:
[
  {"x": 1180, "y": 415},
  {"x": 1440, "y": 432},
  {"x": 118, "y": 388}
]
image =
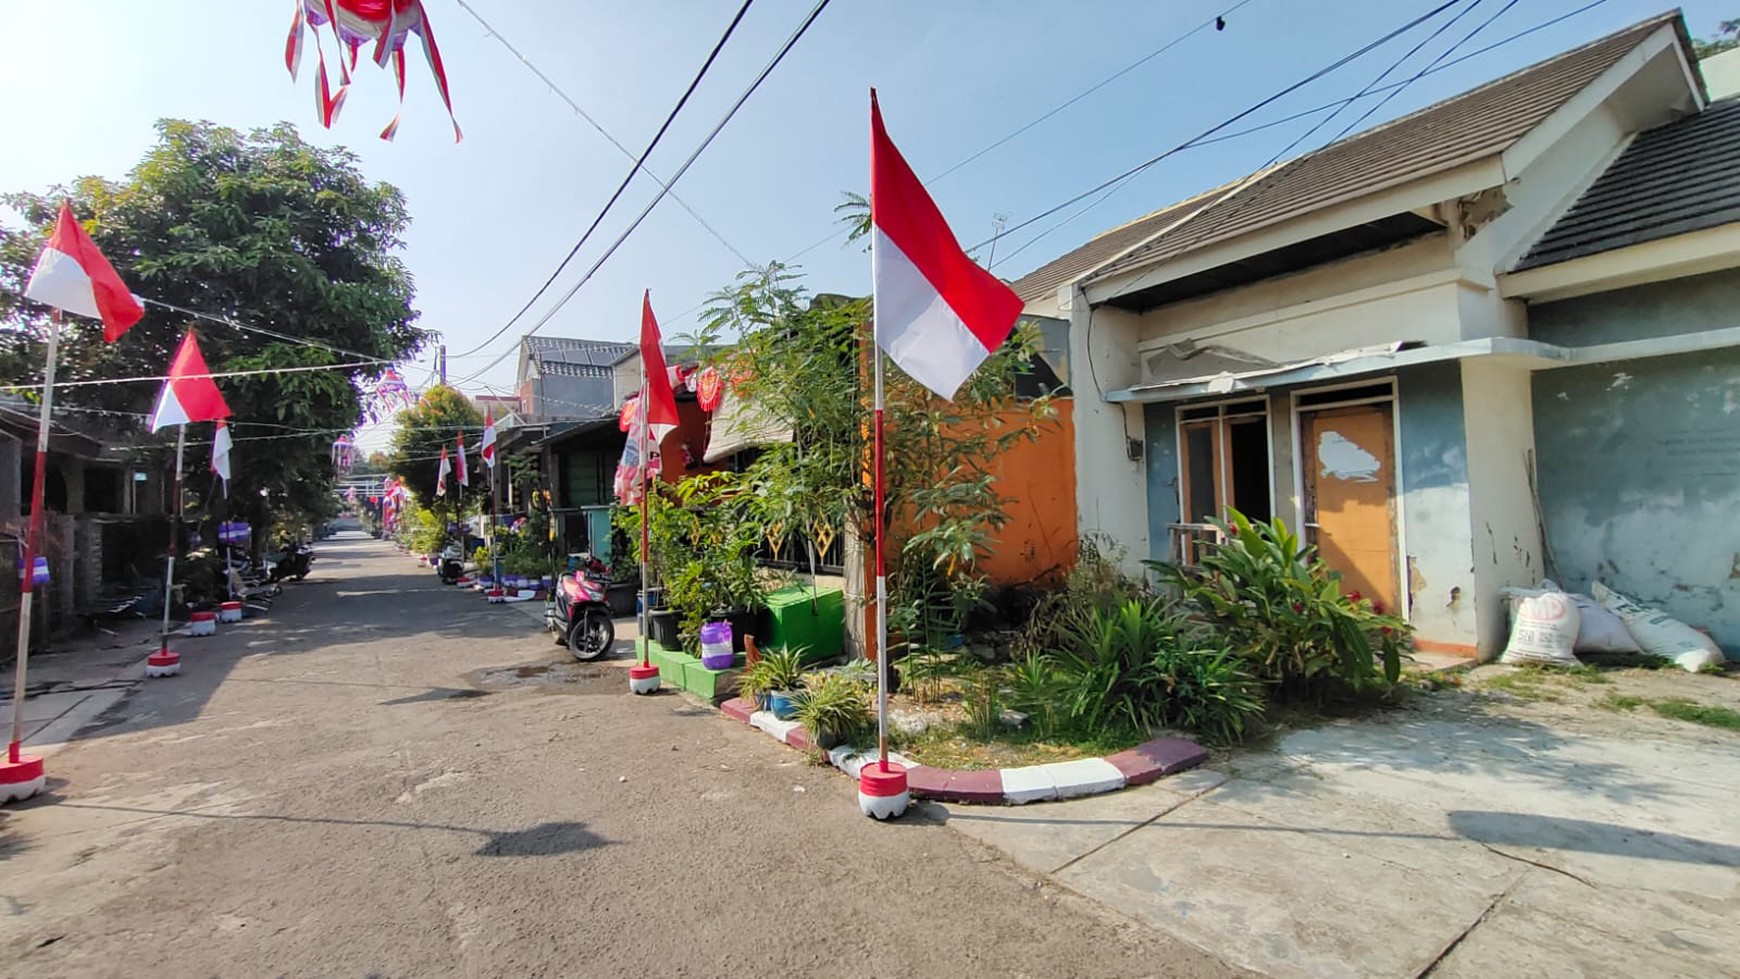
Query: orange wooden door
[{"x": 1350, "y": 496}]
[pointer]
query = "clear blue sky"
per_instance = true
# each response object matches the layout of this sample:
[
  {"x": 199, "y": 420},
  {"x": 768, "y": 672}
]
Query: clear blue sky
[{"x": 85, "y": 80}]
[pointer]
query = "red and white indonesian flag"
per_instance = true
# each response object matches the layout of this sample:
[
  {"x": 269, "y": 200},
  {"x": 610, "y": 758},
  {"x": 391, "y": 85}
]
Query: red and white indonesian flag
[
  {"x": 220, "y": 455},
  {"x": 463, "y": 473},
  {"x": 72, "y": 275},
  {"x": 487, "y": 448},
  {"x": 661, "y": 400},
  {"x": 938, "y": 314},
  {"x": 442, "y": 473},
  {"x": 189, "y": 395}
]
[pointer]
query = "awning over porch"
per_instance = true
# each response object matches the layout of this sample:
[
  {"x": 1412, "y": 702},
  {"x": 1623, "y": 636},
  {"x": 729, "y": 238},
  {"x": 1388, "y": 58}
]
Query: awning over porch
[
  {"x": 740, "y": 424},
  {"x": 1364, "y": 361}
]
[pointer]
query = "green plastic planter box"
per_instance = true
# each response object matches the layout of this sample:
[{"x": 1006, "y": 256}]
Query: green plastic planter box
[{"x": 812, "y": 620}]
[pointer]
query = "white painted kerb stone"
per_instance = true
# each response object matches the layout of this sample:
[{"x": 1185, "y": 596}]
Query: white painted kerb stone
[{"x": 1087, "y": 776}]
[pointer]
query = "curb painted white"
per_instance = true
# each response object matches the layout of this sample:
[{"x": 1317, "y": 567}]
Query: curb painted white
[
  {"x": 1085, "y": 776},
  {"x": 1024, "y": 785},
  {"x": 767, "y": 721}
]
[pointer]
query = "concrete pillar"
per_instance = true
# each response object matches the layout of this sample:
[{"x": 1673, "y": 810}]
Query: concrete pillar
[
  {"x": 1111, "y": 489},
  {"x": 1498, "y": 416}
]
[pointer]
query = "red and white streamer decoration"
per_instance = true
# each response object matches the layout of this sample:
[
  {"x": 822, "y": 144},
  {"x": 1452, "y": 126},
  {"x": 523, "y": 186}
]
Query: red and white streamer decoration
[{"x": 388, "y": 24}]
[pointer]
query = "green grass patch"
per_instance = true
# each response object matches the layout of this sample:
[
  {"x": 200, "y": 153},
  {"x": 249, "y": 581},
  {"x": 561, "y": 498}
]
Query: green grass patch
[
  {"x": 1709, "y": 715},
  {"x": 1615, "y": 701},
  {"x": 961, "y": 746}
]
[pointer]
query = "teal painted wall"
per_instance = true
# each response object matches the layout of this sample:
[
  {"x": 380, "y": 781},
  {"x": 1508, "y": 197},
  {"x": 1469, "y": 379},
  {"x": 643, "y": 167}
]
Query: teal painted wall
[
  {"x": 1438, "y": 556},
  {"x": 1639, "y": 461},
  {"x": 1161, "y": 453}
]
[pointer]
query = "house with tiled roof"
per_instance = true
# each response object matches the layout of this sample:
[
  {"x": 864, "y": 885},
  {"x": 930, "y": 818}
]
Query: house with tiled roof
[
  {"x": 566, "y": 378},
  {"x": 1446, "y": 347}
]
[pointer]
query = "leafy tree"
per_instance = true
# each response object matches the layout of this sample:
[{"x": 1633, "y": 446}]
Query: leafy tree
[
  {"x": 424, "y": 430},
  {"x": 260, "y": 228},
  {"x": 1727, "y": 36},
  {"x": 804, "y": 359}
]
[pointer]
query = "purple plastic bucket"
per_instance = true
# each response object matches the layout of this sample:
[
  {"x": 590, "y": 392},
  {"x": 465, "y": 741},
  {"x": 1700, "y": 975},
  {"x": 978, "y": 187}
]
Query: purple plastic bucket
[{"x": 716, "y": 653}]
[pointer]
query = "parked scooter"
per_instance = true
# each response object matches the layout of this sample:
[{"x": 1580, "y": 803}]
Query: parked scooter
[
  {"x": 294, "y": 561},
  {"x": 580, "y": 616},
  {"x": 451, "y": 566}
]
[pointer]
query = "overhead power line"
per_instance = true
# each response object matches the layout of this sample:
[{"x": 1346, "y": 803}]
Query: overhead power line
[
  {"x": 594, "y": 123},
  {"x": 1217, "y": 127},
  {"x": 639, "y": 165},
  {"x": 778, "y": 57}
]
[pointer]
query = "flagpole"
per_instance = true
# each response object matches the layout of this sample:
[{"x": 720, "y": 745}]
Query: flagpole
[
  {"x": 882, "y": 787},
  {"x": 17, "y": 762},
  {"x": 166, "y": 662},
  {"x": 646, "y": 484}
]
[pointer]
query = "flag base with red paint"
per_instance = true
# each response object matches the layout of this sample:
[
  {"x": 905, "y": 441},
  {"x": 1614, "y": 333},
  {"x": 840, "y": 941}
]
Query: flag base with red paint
[
  {"x": 882, "y": 792},
  {"x": 21, "y": 775},
  {"x": 164, "y": 662},
  {"x": 643, "y": 678},
  {"x": 202, "y": 624}
]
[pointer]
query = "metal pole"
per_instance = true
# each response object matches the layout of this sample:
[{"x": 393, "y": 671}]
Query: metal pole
[
  {"x": 174, "y": 537},
  {"x": 877, "y": 528},
  {"x": 32, "y": 542},
  {"x": 645, "y": 495}
]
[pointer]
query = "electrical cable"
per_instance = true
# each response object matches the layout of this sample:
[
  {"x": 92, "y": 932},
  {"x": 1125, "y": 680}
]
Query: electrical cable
[
  {"x": 594, "y": 123},
  {"x": 784, "y": 50},
  {"x": 1217, "y": 127},
  {"x": 639, "y": 164}
]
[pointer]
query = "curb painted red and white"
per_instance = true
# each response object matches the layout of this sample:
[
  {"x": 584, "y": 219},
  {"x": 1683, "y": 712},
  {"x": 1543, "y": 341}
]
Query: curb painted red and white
[{"x": 1146, "y": 762}]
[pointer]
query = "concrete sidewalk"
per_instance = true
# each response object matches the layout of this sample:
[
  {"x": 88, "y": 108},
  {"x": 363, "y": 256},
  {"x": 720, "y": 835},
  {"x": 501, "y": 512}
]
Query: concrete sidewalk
[{"x": 1442, "y": 840}]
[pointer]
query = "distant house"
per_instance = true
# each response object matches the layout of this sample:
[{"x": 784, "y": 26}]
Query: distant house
[
  {"x": 562, "y": 378},
  {"x": 103, "y": 519},
  {"x": 1422, "y": 343}
]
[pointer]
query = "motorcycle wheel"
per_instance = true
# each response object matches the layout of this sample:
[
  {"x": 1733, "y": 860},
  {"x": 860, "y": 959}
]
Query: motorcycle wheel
[
  {"x": 592, "y": 636},
  {"x": 301, "y": 575}
]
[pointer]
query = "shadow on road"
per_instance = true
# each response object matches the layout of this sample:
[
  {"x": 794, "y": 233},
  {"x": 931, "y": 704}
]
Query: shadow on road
[
  {"x": 1580, "y": 835},
  {"x": 542, "y": 840}
]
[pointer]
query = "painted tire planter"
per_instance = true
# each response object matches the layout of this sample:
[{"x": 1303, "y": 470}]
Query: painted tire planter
[
  {"x": 716, "y": 651},
  {"x": 202, "y": 624}
]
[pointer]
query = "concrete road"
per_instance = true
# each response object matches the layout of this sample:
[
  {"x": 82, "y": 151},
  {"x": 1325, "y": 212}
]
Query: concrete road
[
  {"x": 335, "y": 790},
  {"x": 1458, "y": 837}
]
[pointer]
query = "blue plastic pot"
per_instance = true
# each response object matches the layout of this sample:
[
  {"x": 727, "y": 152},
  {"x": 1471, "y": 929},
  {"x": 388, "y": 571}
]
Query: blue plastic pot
[{"x": 783, "y": 703}]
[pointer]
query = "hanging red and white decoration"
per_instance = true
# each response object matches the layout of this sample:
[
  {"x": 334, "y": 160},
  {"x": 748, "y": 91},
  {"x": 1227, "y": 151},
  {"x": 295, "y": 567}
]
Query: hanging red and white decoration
[{"x": 385, "y": 26}]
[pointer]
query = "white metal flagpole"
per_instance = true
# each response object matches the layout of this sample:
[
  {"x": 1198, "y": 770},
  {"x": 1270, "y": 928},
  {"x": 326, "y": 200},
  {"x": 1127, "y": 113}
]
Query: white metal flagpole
[
  {"x": 882, "y": 789},
  {"x": 23, "y": 775},
  {"x": 165, "y": 662}
]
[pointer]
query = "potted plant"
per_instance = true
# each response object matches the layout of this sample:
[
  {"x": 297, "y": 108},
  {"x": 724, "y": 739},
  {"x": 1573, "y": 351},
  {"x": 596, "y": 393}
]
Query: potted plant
[
  {"x": 834, "y": 708},
  {"x": 779, "y": 676}
]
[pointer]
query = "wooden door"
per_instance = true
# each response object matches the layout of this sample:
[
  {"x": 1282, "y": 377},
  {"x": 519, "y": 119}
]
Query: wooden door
[{"x": 1350, "y": 495}]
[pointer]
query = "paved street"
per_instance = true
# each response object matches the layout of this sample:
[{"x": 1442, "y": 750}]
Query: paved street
[{"x": 330, "y": 791}]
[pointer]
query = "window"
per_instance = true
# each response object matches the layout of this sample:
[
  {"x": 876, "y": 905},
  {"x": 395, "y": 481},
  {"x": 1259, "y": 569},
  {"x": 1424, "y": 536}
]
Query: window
[{"x": 1224, "y": 460}]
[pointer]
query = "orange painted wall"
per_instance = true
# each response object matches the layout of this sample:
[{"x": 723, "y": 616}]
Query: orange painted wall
[{"x": 1038, "y": 480}]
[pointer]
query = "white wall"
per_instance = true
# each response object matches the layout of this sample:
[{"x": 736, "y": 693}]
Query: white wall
[
  {"x": 1111, "y": 488},
  {"x": 1498, "y": 415},
  {"x": 1722, "y": 74}
]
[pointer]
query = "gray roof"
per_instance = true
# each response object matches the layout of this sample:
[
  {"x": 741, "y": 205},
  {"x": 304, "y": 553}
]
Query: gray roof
[
  {"x": 1465, "y": 128},
  {"x": 563, "y": 368},
  {"x": 1671, "y": 180},
  {"x": 599, "y": 353}
]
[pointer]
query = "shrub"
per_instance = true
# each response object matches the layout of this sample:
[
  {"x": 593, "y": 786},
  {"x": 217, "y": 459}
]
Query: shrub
[
  {"x": 833, "y": 706},
  {"x": 1276, "y": 605},
  {"x": 777, "y": 669}
]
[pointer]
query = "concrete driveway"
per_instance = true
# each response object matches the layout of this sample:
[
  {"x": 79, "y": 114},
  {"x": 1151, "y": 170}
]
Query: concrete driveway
[{"x": 1457, "y": 837}]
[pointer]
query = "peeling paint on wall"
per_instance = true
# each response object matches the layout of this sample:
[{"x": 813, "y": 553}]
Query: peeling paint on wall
[{"x": 1343, "y": 459}]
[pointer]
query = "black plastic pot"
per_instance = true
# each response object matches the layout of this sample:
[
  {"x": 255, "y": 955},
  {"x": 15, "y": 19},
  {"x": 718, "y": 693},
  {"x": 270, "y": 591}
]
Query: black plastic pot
[
  {"x": 758, "y": 624},
  {"x": 662, "y": 626},
  {"x": 622, "y": 599}
]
